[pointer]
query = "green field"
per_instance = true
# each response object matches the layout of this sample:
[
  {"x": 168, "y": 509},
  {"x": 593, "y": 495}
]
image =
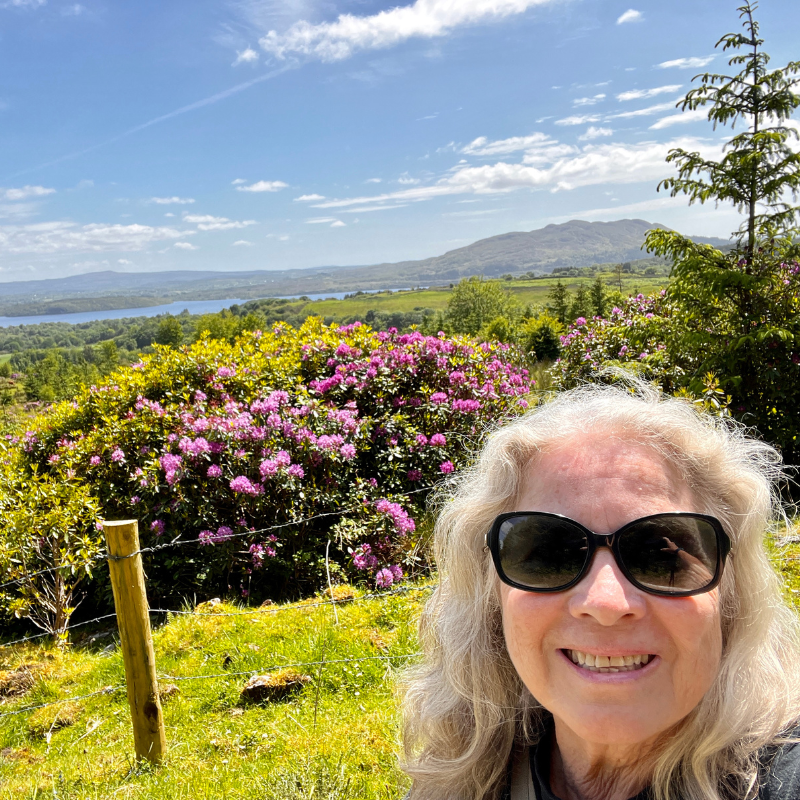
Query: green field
[
  {"x": 337, "y": 738},
  {"x": 527, "y": 292}
]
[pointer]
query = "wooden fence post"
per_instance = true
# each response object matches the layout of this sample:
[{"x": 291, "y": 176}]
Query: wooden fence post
[{"x": 133, "y": 619}]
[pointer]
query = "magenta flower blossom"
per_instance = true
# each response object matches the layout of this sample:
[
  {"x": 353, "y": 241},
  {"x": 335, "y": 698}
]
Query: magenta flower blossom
[
  {"x": 422, "y": 439},
  {"x": 268, "y": 468},
  {"x": 397, "y": 572},
  {"x": 348, "y": 451},
  {"x": 226, "y": 372},
  {"x": 580, "y": 321},
  {"x": 243, "y": 485},
  {"x": 118, "y": 455},
  {"x": 466, "y": 406},
  {"x": 384, "y": 578},
  {"x": 447, "y": 467},
  {"x": 438, "y": 440},
  {"x": 438, "y": 397},
  {"x": 94, "y": 460},
  {"x": 295, "y": 471},
  {"x": 214, "y": 471},
  {"x": 157, "y": 526},
  {"x": 414, "y": 475}
]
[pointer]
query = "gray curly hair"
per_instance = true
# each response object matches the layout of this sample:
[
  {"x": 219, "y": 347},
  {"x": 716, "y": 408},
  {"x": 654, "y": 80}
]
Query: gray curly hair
[{"x": 467, "y": 711}]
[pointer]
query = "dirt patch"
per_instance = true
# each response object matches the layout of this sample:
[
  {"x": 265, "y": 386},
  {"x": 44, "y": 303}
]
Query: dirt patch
[
  {"x": 273, "y": 686},
  {"x": 16, "y": 682},
  {"x": 51, "y": 718}
]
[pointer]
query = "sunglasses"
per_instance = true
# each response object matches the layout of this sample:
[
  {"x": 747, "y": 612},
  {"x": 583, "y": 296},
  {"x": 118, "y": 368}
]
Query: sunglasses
[{"x": 671, "y": 555}]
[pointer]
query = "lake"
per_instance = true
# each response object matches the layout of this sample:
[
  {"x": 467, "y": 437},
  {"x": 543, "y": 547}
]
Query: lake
[{"x": 192, "y": 306}]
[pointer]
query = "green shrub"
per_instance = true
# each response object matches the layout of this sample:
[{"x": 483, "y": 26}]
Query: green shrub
[{"x": 217, "y": 441}]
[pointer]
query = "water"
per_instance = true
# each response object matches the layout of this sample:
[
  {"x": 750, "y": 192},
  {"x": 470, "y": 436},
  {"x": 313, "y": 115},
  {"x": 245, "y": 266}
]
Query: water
[{"x": 192, "y": 306}]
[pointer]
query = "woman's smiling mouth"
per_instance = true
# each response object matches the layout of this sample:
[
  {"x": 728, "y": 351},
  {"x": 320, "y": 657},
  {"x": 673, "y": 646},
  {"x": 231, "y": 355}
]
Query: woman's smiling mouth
[{"x": 595, "y": 663}]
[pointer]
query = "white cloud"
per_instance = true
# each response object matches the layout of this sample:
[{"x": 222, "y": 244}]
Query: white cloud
[
  {"x": 686, "y": 63},
  {"x": 368, "y": 209},
  {"x": 74, "y": 10},
  {"x": 205, "y": 222},
  {"x": 595, "y": 164},
  {"x": 280, "y": 237},
  {"x": 483, "y": 147},
  {"x": 246, "y": 56},
  {"x": 631, "y": 15},
  {"x": 171, "y": 201},
  {"x": 18, "y": 211},
  {"x": 185, "y": 246},
  {"x": 263, "y": 186},
  {"x": 683, "y": 118},
  {"x": 24, "y": 192},
  {"x": 656, "y": 204},
  {"x": 643, "y": 112},
  {"x": 22, "y": 3},
  {"x": 334, "y": 41},
  {"x": 338, "y": 224},
  {"x": 238, "y": 182},
  {"x": 124, "y": 261},
  {"x": 169, "y": 214},
  {"x": 309, "y": 198},
  {"x": 320, "y": 220},
  {"x": 372, "y": 180},
  {"x": 595, "y": 133},
  {"x": 639, "y": 94},
  {"x": 406, "y": 180},
  {"x": 580, "y": 119},
  {"x": 54, "y": 237},
  {"x": 242, "y": 243},
  {"x": 588, "y": 101}
]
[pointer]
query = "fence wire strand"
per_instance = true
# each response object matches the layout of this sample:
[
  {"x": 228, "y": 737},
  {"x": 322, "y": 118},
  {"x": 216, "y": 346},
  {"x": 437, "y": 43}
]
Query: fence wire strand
[{"x": 177, "y": 542}]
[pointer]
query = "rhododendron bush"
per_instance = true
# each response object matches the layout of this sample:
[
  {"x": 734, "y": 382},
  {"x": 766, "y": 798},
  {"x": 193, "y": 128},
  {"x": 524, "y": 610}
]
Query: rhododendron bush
[{"x": 216, "y": 442}]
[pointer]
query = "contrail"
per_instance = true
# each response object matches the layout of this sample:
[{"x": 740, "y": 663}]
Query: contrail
[{"x": 215, "y": 98}]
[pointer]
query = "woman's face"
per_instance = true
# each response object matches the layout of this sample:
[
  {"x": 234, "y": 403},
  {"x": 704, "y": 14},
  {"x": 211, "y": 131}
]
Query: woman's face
[{"x": 603, "y": 483}]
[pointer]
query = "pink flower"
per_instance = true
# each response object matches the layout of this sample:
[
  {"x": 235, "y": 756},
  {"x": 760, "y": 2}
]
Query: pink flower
[
  {"x": 438, "y": 397},
  {"x": 268, "y": 468},
  {"x": 447, "y": 467},
  {"x": 414, "y": 475},
  {"x": 422, "y": 439},
  {"x": 94, "y": 460},
  {"x": 243, "y": 485},
  {"x": 214, "y": 471},
  {"x": 580, "y": 321},
  {"x": 118, "y": 455},
  {"x": 438, "y": 440},
  {"x": 157, "y": 526},
  {"x": 384, "y": 578},
  {"x": 348, "y": 451},
  {"x": 295, "y": 471},
  {"x": 397, "y": 572},
  {"x": 226, "y": 372}
]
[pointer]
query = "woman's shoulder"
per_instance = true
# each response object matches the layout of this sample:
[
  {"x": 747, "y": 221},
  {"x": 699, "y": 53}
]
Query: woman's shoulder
[{"x": 782, "y": 770}]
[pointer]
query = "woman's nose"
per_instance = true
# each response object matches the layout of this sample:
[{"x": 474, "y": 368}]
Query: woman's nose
[{"x": 605, "y": 593}]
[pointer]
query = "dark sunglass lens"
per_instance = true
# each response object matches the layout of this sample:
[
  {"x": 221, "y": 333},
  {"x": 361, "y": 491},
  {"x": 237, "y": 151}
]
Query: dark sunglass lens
[
  {"x": 672, "y": 554},
  {"x": 541, "y": 552}
]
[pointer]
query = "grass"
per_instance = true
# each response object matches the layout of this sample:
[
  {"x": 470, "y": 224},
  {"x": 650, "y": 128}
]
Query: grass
[
  {"x": 336, "y": 736},
  {"x": 534, "y": 292}
]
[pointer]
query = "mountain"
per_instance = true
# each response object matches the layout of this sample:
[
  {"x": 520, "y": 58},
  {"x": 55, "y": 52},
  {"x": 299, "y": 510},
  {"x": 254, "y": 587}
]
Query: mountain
[{"x": 571, "y": 244}]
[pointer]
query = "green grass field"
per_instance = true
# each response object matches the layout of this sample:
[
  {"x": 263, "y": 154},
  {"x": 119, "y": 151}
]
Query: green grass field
[
  {"x": 527, "y": 292},
  {"x": 337, "y": 738}
]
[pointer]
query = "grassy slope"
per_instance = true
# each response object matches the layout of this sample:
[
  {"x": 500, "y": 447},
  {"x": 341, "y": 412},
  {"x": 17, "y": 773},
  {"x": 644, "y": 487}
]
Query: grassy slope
[{"x": 338, "y": 738}]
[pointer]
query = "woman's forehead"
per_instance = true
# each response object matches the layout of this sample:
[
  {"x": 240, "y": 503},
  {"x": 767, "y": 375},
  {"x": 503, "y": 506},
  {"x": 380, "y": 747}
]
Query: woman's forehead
[{"x": 582, "y": 475}]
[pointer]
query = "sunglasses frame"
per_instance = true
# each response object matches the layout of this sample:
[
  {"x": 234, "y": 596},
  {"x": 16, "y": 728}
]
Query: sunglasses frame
[{"x": 610, "y": 540}]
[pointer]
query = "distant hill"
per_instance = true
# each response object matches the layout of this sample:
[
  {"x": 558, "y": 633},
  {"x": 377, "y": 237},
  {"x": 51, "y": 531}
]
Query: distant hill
[{"x": 572, "y": 244}]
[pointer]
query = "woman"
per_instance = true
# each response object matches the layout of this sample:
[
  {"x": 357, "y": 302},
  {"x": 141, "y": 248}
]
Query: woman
[{"x": 607, "y": 623}]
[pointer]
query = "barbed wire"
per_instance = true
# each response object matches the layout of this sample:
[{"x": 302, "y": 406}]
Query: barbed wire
[
  {"x": 285, "y": 666},
  {"x": 105, "y": 690},
  {"x": 177, "y": 542},
  {"x": 245, "y": 613},
  {"x": 48, "y": 633}
]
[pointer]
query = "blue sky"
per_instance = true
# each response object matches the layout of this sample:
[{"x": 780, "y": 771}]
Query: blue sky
[{"x": 270, "y": 134}]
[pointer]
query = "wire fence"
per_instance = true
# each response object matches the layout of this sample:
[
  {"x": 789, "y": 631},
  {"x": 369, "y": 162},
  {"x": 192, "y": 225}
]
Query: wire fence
[
  {"x": 178, "y": 542},
  {"x": 298, "y": 606}
]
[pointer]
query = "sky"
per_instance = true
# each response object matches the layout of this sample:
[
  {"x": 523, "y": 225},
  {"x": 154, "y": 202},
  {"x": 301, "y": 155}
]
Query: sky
[{"x": 275, "y": 134}]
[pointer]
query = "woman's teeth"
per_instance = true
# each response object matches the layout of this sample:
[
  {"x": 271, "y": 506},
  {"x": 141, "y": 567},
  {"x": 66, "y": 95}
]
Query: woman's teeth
[{"x": 608, "y": 663}]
